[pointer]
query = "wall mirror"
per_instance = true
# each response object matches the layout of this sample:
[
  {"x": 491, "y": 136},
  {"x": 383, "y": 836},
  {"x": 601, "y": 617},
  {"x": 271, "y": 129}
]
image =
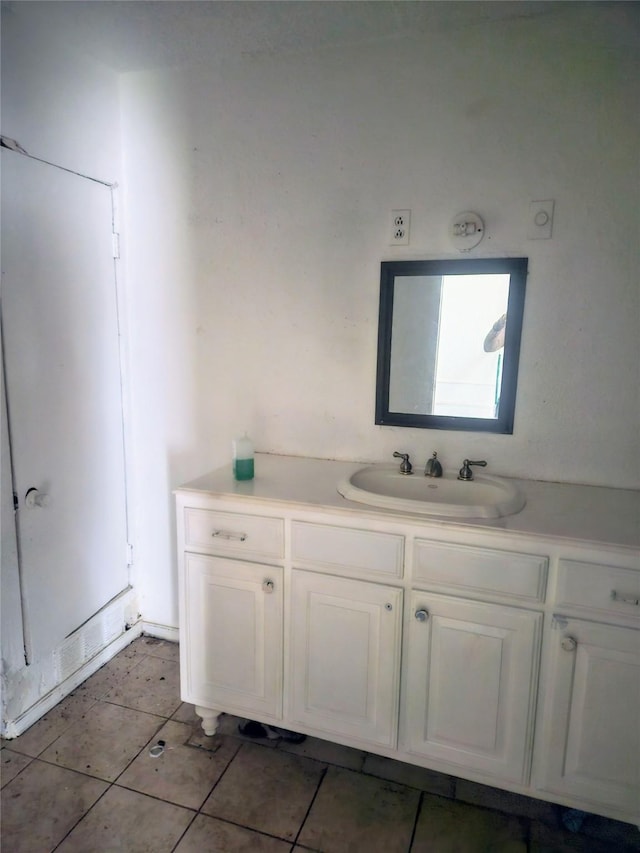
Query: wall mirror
[{"x": 449, "y": 343}]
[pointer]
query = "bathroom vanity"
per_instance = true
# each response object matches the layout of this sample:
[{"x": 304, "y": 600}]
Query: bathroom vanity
[{"x": 504, "y": 651}]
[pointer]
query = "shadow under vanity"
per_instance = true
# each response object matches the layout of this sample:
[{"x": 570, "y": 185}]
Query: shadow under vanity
[{"x": 504, "y": 651}]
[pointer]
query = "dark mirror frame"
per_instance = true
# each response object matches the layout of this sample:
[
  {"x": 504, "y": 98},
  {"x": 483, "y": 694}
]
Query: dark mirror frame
[{"x": 517, "y": 270}]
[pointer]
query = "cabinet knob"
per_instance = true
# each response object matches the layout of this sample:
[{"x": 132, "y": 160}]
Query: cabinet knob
[
  {"x": 569, "y": 644},
  {"x": 268, "y": 586},
  {"x": 34, "y": 498},
  {"x": 422, "y": 615}
]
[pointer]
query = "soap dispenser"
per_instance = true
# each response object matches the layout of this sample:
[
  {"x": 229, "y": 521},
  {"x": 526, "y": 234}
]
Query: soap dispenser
[
  {"x": 243, "y": 458},
  {"x": 433, "y": 468}
]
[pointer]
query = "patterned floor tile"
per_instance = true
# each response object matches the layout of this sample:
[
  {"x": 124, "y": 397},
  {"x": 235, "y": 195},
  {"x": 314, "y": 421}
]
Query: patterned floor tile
[
  {"x": 12, "y": 764},
  {"x": 104, "y": 742},
  {"x": 128, "y": 822},
  {"x": 266, "y": 790},
  {"x": 208, "y": 835},
  {"x": 453, "y": 827},
  {"x": 152, "y": 686},
  {"x": 42, "y": 804},
  {"x": 357, "y": 812},
  {"x": 52, "y": 725},
  {"x": 181, "y": 774}
]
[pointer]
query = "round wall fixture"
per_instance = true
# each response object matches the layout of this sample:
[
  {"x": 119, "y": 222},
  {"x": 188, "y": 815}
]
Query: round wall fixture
[{"x": 467, "y": 230}]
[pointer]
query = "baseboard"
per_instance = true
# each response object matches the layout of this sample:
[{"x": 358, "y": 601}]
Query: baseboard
[
  {"x": 161, "y": 632},
  {"x": 14, "y": 728},
  {"x": 75, "y": 660}
]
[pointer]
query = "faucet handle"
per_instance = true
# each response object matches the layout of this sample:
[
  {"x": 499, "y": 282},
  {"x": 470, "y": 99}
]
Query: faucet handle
[
  {"x": 466, "y": 473},
  {"x": 405, "y": 465}
]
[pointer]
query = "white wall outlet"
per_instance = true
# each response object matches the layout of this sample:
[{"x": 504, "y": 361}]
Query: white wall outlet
[
  {"x": 540, "y": 220},
  {"x": 400, "y": 228}
]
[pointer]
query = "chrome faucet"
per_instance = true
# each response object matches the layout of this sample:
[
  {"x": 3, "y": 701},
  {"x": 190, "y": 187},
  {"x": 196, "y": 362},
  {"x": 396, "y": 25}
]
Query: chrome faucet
[
  {"x": 433, "y": 468},
  {"x": 405, "y": 465},
  {"x": 466, "y": 473}
]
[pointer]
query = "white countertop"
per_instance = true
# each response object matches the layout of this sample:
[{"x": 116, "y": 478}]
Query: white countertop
[{"x": 558, "y": 510}]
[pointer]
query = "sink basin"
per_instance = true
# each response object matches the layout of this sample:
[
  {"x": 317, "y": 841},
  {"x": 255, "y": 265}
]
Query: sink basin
[{"x": 384, "y": 486}]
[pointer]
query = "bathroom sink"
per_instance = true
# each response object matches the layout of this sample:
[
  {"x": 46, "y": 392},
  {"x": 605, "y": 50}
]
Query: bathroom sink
[{"x": 384, "y": 486}]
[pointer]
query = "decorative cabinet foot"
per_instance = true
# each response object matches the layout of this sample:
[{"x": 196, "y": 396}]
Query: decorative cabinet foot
[{"x": 209, "y": 719}]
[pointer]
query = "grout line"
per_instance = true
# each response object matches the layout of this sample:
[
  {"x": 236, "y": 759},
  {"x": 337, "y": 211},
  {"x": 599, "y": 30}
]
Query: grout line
[
  {"x": 186, "y": 829},
  {"x": 141, "y": 750},
  {"x": 248, "y": 828},
  {"x": 155, "y": 797},
  {"x": 140, "y": 711},
  {"x": 313, "y": 799},
  {"x": 72, "y": 770},
  {"x": 218, "y": 780},
  {"x": 528, "y": 839},
  {"x": 415, "y": 821},
  {"x": 80, "y": 819},
  {"x": 3, "y": 785}
]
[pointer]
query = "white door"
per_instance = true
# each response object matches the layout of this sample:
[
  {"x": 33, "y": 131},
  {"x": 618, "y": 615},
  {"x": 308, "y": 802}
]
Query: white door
[
  {"x": 231, "y": 636},
  {"x": 591, "y": 741},
  {"x": 470, "y": 682},
  {"x": 345, "y": 656},
  {"x": 63, "y": 385}
]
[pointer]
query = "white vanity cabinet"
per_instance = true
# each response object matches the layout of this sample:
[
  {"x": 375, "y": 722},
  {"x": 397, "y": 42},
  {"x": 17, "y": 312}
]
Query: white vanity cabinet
[
  {"x": 345, "y": 631},
  {"x": 503, "y": 652},
  {"x": 471, "y": 679},
  {"x": 472, "y": 664},
  {"x": 231, "y": 613},
  {"x": 590, "y": 741},
  {"x": 233, "y": 637},
  {"x": 345, "y": 657}
]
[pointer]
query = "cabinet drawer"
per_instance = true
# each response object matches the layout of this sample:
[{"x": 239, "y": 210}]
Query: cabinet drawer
[
  {"x": 604, "y": 589},
  {"x": 338, "y": 548},
  {"x": 447, "y": 567},
  {"x": 234, "y": 534}
]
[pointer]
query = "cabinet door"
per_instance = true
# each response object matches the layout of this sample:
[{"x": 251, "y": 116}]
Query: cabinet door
[
  {"x": 345, "y": 656},
  {"x": 471, "y": 674},
  {"x": 231, "y": 633},
  {"x": 591, "y": 746}
]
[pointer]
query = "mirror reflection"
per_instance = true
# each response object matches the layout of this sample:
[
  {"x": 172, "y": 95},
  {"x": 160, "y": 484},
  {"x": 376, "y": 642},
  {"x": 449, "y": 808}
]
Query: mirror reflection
[{"x": 447, "y": 357}]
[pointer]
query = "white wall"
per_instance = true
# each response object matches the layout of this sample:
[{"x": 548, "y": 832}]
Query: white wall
[
  {"x": 259, "y": 193},
  {"x": 58, "y": 106}
]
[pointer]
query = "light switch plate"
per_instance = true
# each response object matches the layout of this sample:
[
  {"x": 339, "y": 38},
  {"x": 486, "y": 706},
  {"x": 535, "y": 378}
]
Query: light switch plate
[{"x": 540, "y": 220}]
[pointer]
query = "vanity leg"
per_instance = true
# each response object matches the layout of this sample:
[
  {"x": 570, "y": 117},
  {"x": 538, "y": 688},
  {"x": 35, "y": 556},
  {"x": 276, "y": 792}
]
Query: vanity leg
[{"x": 209, "y": 719}]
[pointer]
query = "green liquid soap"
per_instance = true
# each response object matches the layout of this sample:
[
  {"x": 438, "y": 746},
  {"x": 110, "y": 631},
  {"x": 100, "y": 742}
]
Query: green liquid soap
[
  {"x": 242, "y": 458},
  {"x": 243, "y": 469}
]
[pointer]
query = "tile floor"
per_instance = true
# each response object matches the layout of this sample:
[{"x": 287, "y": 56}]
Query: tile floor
[{"x": 82, "y": 780}]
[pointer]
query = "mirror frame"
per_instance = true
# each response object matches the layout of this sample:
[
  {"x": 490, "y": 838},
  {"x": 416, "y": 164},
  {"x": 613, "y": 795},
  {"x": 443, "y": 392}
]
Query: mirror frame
[{"x": 517, "y": 270}]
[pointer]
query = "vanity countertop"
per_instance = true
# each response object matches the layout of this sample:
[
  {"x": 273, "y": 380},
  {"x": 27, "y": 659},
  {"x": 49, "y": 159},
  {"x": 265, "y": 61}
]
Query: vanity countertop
[{"x": 558, "y": 510}]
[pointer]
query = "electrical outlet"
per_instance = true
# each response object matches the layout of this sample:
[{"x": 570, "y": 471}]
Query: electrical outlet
[{"x": 400, "y": 228}]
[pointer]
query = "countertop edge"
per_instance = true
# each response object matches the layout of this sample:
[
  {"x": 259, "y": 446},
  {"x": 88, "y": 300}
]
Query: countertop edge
[{"x": 567, "y": 513}]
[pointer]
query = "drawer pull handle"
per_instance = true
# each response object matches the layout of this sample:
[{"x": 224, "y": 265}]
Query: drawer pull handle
[
  {"x": 229, "y": 534},
  {"x": 422, "y": 615},
  {"x": 569, "y": 644},
  {"x": 268, "y": 586},
  {"x": 625, "y": 599}
]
